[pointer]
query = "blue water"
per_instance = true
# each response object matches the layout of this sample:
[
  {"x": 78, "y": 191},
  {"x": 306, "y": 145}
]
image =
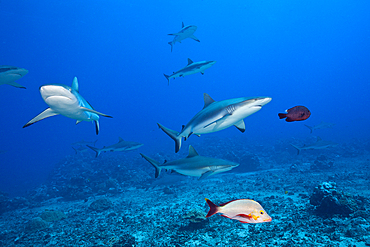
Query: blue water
[{"x": 312, "y": 53}]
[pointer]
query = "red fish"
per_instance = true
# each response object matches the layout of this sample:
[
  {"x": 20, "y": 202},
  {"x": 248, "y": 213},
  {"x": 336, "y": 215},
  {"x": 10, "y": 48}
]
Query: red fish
[
  {"x": 297, "y": 113},
  {"x": 244, "y": 210}
]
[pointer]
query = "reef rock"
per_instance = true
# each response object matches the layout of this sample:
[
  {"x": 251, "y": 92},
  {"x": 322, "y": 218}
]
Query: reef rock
[
  {"x": 36, "y": 224},
  {"x": 52, "y": 215},
  {"x": 327, "y": 200},
  {"x": 100, "y": 205}
]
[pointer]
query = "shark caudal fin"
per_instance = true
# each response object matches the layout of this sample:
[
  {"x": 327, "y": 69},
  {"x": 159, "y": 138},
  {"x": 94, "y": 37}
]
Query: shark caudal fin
[
  {"x": 310, "y": 127},
  {"x": 174, "y": 135},
  {"x": 154, "y": 163},
  {"x": 298, "y": 148},
  {"x": 213, "y": 209},
  {"x": 168, "y": 78},
  {"x": 171, "y": 43},
  {"x": 96, "y": 150}
]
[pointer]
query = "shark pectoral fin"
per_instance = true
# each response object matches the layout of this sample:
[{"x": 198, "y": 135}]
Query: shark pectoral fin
[
  {"x": 218, "y": 121},
  {"x": 202, "y": 72},
  {"x": 96, "y": 112},
  {"x": 192, "y": 152},
  {"x": 14, "y": 84},
  {"x": 78, "y": 121},
  {"x": 174, "y": 135},
  {"x": 194, "y": 38},
  {"x": 47, "y": 113},
  {"x": 96, "y": 126},
  {"x": 240, "y": 125},
  {"x": 154, "y": 163},
  {"x": 206, "y": 174}
]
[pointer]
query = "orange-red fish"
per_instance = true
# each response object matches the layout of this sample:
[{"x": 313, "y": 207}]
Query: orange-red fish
[
  {"x": 244, "y": 210},
  {"x": 297, "y": 113}
]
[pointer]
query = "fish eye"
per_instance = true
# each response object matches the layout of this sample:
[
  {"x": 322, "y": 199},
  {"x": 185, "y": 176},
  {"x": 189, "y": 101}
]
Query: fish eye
[{"x": 261, "y": 212}]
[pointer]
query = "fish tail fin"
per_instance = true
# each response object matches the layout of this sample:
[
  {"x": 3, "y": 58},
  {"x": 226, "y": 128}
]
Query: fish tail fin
[
  {"x": 171, "y": 43},
  {"x": 298, "y": 148},
  {"x": 282, "y": 115},
  {"x": 174, "y": 135},
  {"x": 156, "y": 164},
  {"x": 96, "y": 150},
  {"x": 310, "y": 127},
  {"x": 168, "y": 78},
  {"x": 213, "y": 208}
]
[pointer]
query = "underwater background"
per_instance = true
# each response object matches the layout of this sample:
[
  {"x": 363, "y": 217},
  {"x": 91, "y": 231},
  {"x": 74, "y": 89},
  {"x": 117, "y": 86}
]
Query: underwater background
[{"x": 314, "y": 54}]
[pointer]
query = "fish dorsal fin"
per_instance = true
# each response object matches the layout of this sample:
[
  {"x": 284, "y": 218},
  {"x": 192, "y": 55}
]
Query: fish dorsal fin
[
  {"x": 120, "y": 139},
  {"x": 319, "y": 139},
  {"x": 75, "y": 84},
  {"x": 207, "y": 100},
  {"x": 183, "y": 25},
  {"x": 192, "y": 152},
  {"x": 189, "y": 61}
]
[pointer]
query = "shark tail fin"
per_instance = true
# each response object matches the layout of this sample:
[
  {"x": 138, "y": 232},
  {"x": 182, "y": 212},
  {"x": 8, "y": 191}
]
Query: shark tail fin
[
  {"x": 96, "y": 150},
  {"x": 171, "y": 43},
  {"x": 213, "y": 208},
  {"x": 310, "y": 127},
  {"x": 156, "y": 164},
  {"x": 298, "y": 148},
  {"x": 174, "y": 135},
  {"x": 168, "y": 78}
]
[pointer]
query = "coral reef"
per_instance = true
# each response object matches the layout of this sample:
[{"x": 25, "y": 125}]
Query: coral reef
[{"x": 52, "y": 215}]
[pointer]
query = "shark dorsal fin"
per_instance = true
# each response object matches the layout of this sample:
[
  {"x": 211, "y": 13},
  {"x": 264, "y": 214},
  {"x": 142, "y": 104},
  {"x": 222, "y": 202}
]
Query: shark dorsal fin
[
  {"x": 183, "y": 25},
  {"x": 120, "y": 139},
  {"x": 189, "y": 61},
  {"x": 207, "y": 100},
  {"x": 192, "y": 152},
  {"x": 75, "y": 84}
]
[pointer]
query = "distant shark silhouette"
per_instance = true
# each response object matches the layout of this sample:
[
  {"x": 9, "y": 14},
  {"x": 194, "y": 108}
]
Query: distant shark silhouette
[
  {"x": 84, "y": 143},
  {"x": 191, "y": 68},
  {"x": 193, "y": 165},
  {"x": 68, "y": 102},
  {"x": 321, "y": 125},
  {"x": 9, "y": 74},
  {"x": 184, "y": 33},
  {"x": 118, "y": 147},
  {"x": 216, "y": 116},
  {"x": 319, "y": 144}
]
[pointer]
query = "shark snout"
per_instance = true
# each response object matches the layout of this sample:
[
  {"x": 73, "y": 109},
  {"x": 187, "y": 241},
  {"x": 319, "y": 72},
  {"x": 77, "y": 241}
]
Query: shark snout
[
  {"x": 261, "y": 101},
  {"x": 47, "y": 91}
]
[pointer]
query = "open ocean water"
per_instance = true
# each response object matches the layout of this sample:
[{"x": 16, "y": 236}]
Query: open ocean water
[{"x": 55, "y": 192}]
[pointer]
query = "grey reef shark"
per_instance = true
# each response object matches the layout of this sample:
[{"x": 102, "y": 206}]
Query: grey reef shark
[
  {"x": 9, "y": 74},
  {"x": 184, "y": 33},
  {"x": 66, "y": 101},
  {"x": 321, "y": 125},
  {"x": 118, "y": 147},
  {"x": 216, "y": 116},
  {"x": 191, "y": 68},
  {"x": 319, "y": 144},
  {"x": 193, "y": 165}
]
